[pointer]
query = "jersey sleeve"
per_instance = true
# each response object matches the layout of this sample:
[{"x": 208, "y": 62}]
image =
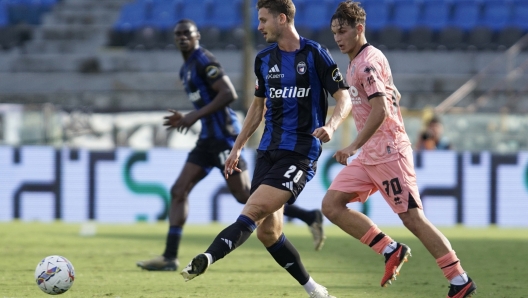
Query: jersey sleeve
[
  {"x": 370, "y": 75},
  {"x": 328, "y": 72},
  {"x": 260, "y": 84},
  {"x": 210, "y": 72}
]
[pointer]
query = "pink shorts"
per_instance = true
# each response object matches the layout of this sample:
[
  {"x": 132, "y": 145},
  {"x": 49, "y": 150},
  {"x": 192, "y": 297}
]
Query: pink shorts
[{"x": 396, "y": 179}]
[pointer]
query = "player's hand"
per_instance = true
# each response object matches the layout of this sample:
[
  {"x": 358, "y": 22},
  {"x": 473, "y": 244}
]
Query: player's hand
[
  {"x": 231, "y": 163},
  {"x": 185, "y": 123},
  {"x": 323, "y": 133},
  {"x": 171, "y": 121},
  {"x": 342, "y": 155}
]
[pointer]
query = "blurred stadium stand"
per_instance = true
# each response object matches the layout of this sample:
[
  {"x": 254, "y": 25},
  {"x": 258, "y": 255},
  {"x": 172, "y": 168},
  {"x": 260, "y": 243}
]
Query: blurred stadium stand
[
  {"x": 109, "y": 56},
  {"x": 392, "y": 24}
]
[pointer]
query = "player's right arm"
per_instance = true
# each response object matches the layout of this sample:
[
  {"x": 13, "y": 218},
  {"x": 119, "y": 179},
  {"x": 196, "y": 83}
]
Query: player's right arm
[
  {"x": 341, "y": 111},
  {"x": 251, "y": 123}
]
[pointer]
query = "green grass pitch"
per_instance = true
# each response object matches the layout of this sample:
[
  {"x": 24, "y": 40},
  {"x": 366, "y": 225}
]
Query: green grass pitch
[{"x": 497, "y": 259}]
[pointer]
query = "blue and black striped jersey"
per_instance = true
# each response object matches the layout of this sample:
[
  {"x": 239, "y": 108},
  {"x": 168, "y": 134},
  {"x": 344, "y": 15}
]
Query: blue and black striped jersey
[
  {"x": 295, "y": 85},
  {"x": 198, "y": 75}
]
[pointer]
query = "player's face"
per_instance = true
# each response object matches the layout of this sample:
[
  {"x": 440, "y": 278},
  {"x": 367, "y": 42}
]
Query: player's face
[
  {"x": 268, "y": 25},
  {"x": 346, "y": 36},
  {"x": 186, "y": 37}
]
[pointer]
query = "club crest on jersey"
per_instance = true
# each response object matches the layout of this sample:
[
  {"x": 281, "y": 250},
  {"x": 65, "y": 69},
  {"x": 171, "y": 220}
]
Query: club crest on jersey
[
  {"x": 336, "y": 75},
  {"x": 212, "y": 71},
  {"x": 301, "y": 68}
]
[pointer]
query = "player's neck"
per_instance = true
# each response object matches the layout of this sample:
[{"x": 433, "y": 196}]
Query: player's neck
[
  {"x": 187, "y": 54},
  {"x": 361, "y": 42},
  {"x": 290, "y": 41}
]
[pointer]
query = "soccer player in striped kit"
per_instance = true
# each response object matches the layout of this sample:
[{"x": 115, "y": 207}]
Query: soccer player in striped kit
[
  {"x": 385, "y": 162},
  {"x": 211, "y": 92},
  {"x": 294, "y": 75}
]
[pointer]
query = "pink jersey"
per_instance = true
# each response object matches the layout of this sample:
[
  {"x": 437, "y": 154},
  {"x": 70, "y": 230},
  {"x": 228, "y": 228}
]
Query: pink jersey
[{"x": 369, "y": 75}]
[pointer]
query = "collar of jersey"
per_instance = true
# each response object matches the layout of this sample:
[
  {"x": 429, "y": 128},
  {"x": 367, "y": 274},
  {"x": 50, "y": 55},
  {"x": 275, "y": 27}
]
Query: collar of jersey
[
  {"x": 302, "y": 42},
  {"x": 194, "y": 53},
  {"x": 362, "y": 48}
]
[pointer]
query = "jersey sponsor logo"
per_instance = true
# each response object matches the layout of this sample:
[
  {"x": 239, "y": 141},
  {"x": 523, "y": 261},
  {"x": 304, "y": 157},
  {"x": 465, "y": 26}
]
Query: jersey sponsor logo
[
  {"x": 274, "y": 73},
  {"x": 301, "y": 68},
  {"x": 336, "y": 75},
  {"x": 212, "y": 71},
  {"x": 195, "y": 96},
  {"x": 289, "y": 92},
  {"x": 356, "y": 100}
]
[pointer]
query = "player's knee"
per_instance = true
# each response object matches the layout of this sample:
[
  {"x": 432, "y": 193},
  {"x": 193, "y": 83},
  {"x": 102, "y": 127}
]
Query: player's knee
[
  {"x": 177, "y": 193},
  {"x": 241, "y": 196},
  {"x": 411, "y": 220},
  {"x": 267, "y": 236},
  {"x": 330, "y": 207}
]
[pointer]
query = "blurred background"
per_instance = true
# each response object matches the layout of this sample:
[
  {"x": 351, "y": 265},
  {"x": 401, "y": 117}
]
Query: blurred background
[{"x": 100, "y": 74}]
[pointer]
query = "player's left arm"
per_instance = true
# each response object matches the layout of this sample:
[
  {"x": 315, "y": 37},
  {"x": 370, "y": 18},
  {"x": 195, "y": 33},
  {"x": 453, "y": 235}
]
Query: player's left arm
[
  {"x": 332, "y": 81},
  {"x": 341, "y": 111},
  {"x": 225, "y": 94}
]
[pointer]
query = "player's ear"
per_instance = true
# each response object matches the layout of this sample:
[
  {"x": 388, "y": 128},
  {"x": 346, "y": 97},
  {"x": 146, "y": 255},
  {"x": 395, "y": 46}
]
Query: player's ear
[
  {"x": 360, "y": 28},
  {"x": 283, "y": 19},
  {"x": 198, "y": 36}
]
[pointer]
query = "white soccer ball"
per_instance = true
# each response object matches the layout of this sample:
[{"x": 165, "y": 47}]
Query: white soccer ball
[{"x": 54, "y": 275}]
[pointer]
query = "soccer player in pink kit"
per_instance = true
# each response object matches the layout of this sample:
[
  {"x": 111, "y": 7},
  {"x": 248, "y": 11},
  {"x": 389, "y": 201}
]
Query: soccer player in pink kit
[{"x": 385, "y": 161}]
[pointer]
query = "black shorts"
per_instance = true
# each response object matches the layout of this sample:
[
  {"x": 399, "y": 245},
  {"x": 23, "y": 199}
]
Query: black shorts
[
  {"x": 283, "y": 169},
  {"x": 210, "y": 153}
]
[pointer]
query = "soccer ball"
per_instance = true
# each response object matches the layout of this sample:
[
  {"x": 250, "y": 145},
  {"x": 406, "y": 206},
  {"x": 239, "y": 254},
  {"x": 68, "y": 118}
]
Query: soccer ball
[{"x": 54, "y": 275}]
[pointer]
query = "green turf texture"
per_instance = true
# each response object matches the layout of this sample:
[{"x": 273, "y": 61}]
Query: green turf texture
[{"x": 105, "y": 264}]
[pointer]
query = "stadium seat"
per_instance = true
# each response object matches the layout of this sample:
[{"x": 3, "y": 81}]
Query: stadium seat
[
  {"x": 227, "y": 19},
  {"x": 4, "y": 17},
  {"x": 131, "y": 19},
  {"x": 481, "y": 38},
  {"x": 451, "y": 38},
  {"x": 435, "y": 14},
  {"x": 315, "y": 15},
  {"x": 314, "y": 20},
  {"x": 391, "y": 37},
  {"x": 199, "y": 11},
  {"x": 164, "y": 14},
  {"x": 378, "y": 14},
  {"x": 509, "y": 36},
  {"x": 496, "y": 14},
  {"x": 519, "y": 13},
  {"x": 406, "y": 14},
  {"x": 466, "y": 14},
  {"x": 227, "y": 14},
  {"x": 162, "y": 18},
  {"x": 420, "y": 38}
]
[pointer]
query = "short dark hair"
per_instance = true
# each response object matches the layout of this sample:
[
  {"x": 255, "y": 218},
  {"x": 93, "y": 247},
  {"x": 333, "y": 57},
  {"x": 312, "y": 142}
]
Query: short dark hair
[
  {"x": 349, "y": 12},
  {"x": 277, "y": 7},
  {"x": 187, "y": 21}
]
